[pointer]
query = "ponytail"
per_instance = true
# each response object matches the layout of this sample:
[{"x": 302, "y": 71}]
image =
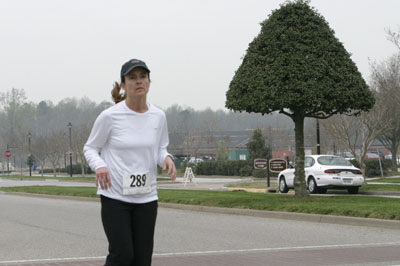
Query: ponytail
[{"x": 116, "y": 94}]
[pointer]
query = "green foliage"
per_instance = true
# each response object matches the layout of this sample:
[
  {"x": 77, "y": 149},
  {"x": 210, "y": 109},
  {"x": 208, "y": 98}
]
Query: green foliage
[
  {"x": 222, "y": 152},
  {"x": 260, "y": 173},
  {"x": 296, "y": 63},
  {"x": 257, "y": 146},
  {"x": 76, "y": 169},
  {"x": 246, "y": 170},
  {"x": 297, "y": 66},
  {"x": 227, "y": 168},
  {"x": 30, "y": 161},
  {"x": 372, "y": 167},
  {"x": 355, "y": 163}
]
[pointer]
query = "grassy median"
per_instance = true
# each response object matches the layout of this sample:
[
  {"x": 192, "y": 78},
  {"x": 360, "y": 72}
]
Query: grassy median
[
  {"x": 344, "y": 205},
  {"x": 366, "y": 187},
  {"x": 61, "y": 178}
]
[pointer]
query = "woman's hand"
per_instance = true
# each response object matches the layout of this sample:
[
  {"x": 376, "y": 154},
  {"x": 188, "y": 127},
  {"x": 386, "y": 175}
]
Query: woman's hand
[
  {"x": 103, "y": 178},
  {"x": 170, "y": 165}
]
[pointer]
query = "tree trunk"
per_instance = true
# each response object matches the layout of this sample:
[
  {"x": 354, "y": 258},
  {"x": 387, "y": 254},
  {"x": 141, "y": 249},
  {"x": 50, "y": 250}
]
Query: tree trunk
[
  {"x": 363, "y": 167},
  {"x": 299, "y": 174},
  {"x": 393, "y": 150},
  {"x": 21, "y": 165},
  {"x": 83, "y": 167}
]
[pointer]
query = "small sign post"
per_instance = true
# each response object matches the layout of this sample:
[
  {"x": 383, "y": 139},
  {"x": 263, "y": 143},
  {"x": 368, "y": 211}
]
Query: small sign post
[
  {"x": 8, "y": 154},
  {"x": 277, "y": 165},
  {"x": 262, "y": 164}
]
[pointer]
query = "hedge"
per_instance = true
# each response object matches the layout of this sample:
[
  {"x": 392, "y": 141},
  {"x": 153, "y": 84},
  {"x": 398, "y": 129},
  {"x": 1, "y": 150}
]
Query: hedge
[
  {"x": 226, "y": 168},
  {"x": 230, "y": 168},
  {"x": 372, "y": 167},
  {"x": 76, "y": 169}
]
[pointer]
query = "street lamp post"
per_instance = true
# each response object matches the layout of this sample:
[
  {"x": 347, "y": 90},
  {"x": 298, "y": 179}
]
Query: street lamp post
[
  {"x": 318, "y": 140},
  {"x": 30, "y": 154},
  {"x": 70, "y": 148}
]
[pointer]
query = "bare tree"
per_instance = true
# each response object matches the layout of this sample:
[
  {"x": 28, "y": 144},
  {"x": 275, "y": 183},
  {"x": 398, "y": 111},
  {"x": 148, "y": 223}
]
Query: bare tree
[
  {"x": 55, "y": 149},
  {"x": 357, "y": 133},
  {"x": 40, "y": 151},
  {"x": 386, "y": 79},
  {"x": 80, "y": 136},
  {"x": 394, "y": 37}
]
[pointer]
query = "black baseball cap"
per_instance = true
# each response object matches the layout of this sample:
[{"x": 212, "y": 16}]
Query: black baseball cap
[{"x": 131, "y": 64}]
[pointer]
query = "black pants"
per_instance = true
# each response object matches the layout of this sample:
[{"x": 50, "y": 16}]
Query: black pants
[{"x": 130, "y": 231}]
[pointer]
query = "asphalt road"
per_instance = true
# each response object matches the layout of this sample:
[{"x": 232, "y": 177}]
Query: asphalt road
[{"x": 43, "y": 229}]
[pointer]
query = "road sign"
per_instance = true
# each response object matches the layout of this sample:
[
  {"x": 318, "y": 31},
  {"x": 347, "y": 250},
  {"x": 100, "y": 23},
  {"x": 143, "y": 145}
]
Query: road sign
[
  {"x": 277, "y": 165},
  {"x": 260, "y": 163},
  {"x": 7, "y": 153}
]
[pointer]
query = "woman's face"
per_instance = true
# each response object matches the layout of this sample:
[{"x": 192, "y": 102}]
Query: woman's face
[{"x": 137, "y": 83}]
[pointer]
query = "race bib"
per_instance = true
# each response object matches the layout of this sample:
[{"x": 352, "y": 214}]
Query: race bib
[{"x": 136, "y": 183}]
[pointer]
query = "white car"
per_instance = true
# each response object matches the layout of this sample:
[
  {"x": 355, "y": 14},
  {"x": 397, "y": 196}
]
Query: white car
[{"x": 323, "y": 172}]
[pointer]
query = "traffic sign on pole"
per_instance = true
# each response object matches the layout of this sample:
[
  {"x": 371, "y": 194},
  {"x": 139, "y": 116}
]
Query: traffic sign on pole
[{"x": 7, "y": 153}]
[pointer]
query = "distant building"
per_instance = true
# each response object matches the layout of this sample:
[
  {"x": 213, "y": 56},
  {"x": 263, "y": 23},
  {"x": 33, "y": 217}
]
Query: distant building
[{"x": 238, "y": 155}]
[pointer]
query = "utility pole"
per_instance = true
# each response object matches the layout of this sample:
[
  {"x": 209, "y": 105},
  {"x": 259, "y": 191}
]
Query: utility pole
[
  {"x": 30, "y": 154},
  {"x": 318, "y": 141},
  {"x": 8, "y": 162},
  {"x": 70, "y": 148}
]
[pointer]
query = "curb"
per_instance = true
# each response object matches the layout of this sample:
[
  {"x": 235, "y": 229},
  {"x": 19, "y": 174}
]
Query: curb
[
  {"x": 305, "y": 217},
  {"x": 316, "y": 218},
  {"x": 75, "y": 198}
]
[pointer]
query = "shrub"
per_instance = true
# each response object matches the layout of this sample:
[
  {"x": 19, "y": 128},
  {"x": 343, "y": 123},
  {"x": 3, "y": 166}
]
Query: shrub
[
  {"x": 372, "y": 167},
  {"x": 355, "y": 163},
  {"x": 246, "y": 170},
  {"x": 227, "y": 168},
  {"x": 76, "y": 169},
  {"x": 260, "y": 173}
]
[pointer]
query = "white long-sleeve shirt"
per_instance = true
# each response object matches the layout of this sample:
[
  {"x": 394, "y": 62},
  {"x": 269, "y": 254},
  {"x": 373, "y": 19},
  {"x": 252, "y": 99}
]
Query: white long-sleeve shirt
[{"x": 129, "y": 142}]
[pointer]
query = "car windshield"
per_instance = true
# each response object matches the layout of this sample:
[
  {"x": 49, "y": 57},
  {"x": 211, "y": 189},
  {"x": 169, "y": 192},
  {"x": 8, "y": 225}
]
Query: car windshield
[{"x": 333, "y": 160}]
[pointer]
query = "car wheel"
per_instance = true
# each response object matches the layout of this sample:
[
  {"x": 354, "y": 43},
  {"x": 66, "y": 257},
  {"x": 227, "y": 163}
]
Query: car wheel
[
  {"x": 283, "y": 188},
  {"x": 353, "y": 190},
  {"x": 312, "y": 186}
]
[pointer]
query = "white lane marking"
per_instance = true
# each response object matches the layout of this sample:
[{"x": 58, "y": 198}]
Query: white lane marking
[
  {"x": 48, "y": 260},
  {"x": 216, "y": 252},
  {"x": 275, "y": 249}
]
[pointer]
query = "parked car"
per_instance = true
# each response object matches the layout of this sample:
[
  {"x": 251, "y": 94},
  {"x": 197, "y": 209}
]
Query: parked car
[
  {"x": 371, "y": 155},
  {"x": 195, "y": 160},
  {"x": 390, "y": 157},
  {"x": 324, "y": 172},
  {"x": 348, "y": 156}
]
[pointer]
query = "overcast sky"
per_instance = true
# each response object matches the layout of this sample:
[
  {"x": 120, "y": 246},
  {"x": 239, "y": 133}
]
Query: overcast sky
[{"x": 58, "y": 49}]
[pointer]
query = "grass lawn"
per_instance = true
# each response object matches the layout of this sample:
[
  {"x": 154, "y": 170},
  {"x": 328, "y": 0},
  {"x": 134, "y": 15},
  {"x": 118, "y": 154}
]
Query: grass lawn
[
  {"x": 367, "y": 187},
  {"x": 253, "y": 185},
  {"x": 62, "y": 178},
  {"x": 344, "y": 205},
  {"x": 385, "y": 180}
]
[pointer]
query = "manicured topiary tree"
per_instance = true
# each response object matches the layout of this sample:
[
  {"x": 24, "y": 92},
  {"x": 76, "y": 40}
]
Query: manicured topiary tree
[{"x": 296, "y": 66}]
